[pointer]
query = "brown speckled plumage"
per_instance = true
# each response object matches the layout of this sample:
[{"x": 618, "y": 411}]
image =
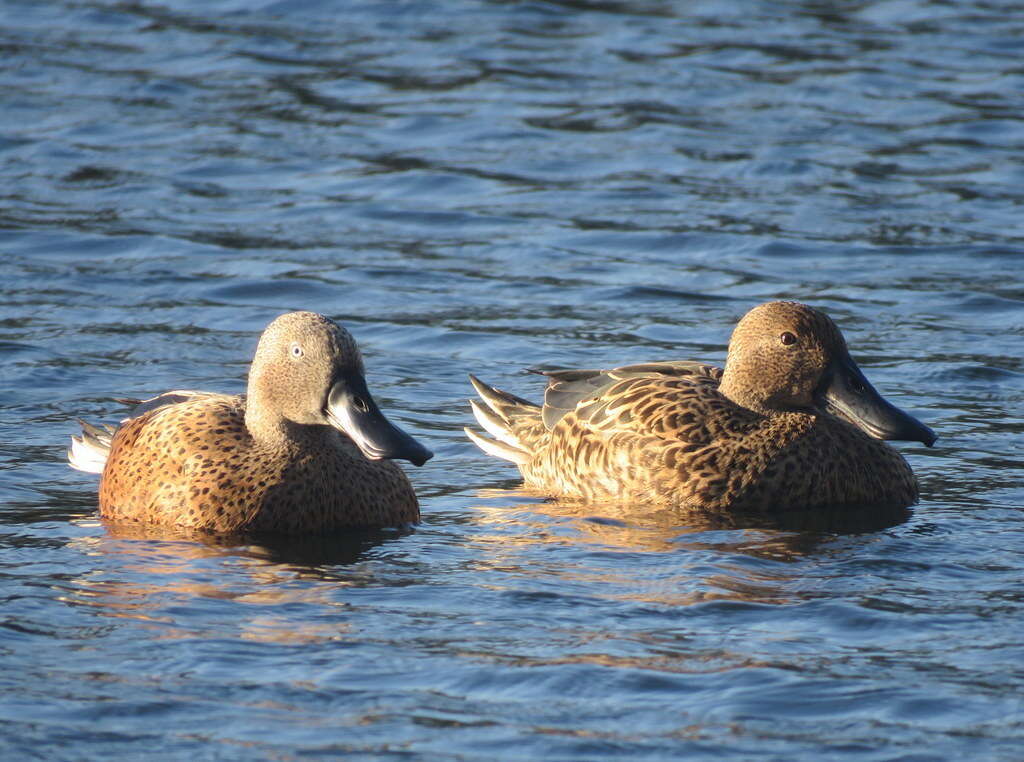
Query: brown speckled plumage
[
  {"x": 755, "y": 436},
  {"x": 269, "y": 461}
]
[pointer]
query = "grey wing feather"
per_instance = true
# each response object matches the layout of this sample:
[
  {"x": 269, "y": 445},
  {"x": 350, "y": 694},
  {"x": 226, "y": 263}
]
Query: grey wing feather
[
  {"x": 169, "y": 398},
  {"x": 569, "y": 389}
]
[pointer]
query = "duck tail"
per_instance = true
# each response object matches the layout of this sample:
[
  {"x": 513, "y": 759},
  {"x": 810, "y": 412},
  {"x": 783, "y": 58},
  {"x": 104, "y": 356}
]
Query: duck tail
[
  {"x": 90, "y": 450},
  {"x": 497, "y": 417}
]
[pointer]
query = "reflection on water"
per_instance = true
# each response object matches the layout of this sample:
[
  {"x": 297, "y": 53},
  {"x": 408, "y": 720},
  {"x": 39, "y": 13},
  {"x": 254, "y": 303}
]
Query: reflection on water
[
  {"x": 163, "y": 572},
  {"x": 306, "y": 553},
  {"x": 706, "y": 552},
  {"x": 781, "y": 536}
]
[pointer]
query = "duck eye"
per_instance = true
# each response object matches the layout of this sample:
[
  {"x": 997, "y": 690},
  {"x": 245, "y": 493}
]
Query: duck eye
[
  {"x": 296, "y": 351},
  {"x": 787, "y": 338}
]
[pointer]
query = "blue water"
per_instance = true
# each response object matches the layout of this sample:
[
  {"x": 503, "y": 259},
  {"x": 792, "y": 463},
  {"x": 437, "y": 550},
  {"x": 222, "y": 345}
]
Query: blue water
[{"x": 484, "y": 187}]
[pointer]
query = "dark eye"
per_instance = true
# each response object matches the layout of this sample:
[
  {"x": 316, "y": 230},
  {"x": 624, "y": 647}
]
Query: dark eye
[
  {"x": 296, "y": 351},
  {"x": 787, "y": 338}
]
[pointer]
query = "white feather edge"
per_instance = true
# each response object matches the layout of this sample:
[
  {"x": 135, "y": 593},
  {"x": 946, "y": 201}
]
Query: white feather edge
[
  {"x": 498, "y": 449},
  {"x": 86, "y": 456},
  {"x": 494, "y": 425}
]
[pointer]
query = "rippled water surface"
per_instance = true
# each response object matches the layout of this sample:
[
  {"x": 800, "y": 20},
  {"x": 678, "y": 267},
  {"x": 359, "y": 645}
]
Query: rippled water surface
[{"x": 485, "y": 187}]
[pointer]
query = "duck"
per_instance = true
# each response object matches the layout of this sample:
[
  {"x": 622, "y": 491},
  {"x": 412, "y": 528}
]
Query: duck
[
  {"x": 305, "y": 450},
  {"x": 789, "y": 423}
]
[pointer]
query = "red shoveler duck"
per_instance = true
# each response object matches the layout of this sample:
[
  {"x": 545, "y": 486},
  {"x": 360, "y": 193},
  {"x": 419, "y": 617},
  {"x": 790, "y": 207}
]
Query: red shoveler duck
[
  {"x": 789, "y": 423},
  {"x": 306, "y": 449}
]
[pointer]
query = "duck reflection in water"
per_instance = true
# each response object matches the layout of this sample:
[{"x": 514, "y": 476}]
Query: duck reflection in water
[
  {"x": 166, "y": 577},
  {"x": 751, "y": 557}
]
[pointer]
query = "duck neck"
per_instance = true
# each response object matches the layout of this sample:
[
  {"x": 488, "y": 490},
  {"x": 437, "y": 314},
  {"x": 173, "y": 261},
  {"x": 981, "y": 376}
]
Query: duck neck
[
  {"x": 267, "y": 428},
  {"x": 265, "y": 422},
  {"x": 272, "y": 430},
  {"x": 742, "y": 394}
]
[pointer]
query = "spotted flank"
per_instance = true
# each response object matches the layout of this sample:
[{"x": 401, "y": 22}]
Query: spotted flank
[
  {"x": 789, "y": 423},
  {"x": 306, "y": 449}
]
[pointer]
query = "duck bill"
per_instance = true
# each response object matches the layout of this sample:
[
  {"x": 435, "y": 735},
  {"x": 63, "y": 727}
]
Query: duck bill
[
  {"x": 850, "y": 396},
  {"x": 351, "y": 409}
]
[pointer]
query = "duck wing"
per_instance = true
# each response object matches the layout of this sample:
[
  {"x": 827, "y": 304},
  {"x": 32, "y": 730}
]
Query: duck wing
[
  {"x": 141, "y": 407},
  {"x": 600, "y": 396}
]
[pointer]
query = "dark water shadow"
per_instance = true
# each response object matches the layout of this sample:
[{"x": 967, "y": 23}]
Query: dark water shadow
[
  {"x": 306, "y": 552},
  {"x": 831, "y": 520},
  {"x": 785, "y": 535},
  {"x": 48, "y": 503}
]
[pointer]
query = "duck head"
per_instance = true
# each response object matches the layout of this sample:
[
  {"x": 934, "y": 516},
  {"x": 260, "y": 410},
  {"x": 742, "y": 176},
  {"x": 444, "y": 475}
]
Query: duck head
[
  {"x": 309, "y": 371},
  {"x": 786, "y": 356}
]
